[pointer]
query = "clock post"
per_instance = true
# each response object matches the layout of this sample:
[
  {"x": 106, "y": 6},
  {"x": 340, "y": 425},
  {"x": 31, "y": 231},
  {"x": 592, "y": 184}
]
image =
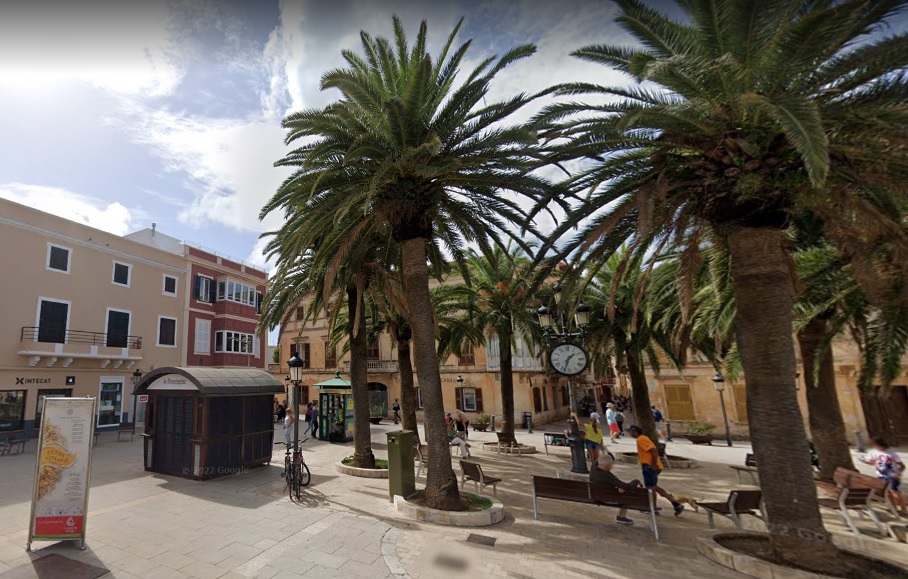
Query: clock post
[{"x": 568, "y": 358}]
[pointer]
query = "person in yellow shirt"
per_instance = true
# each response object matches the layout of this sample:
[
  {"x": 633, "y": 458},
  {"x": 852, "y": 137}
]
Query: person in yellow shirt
[
  {"x": 592, "y": 439},
  {"x": 651, "y": 465}
]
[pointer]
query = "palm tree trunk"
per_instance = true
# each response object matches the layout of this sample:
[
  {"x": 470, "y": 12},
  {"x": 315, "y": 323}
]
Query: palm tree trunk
[
  {"x": 505, "y": 338},
  {"x": 441, "y": 483},
  {"x": 764, "y": 298},
  {"x": 362, "y": 428},
  {"x": 827, "y": 427},
  {"x": 640, "y": 395},
  {"x": 407, "y": 389}
]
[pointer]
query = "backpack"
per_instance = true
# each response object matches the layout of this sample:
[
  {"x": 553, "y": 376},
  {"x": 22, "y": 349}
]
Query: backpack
[{"x": 657, "y": 416}]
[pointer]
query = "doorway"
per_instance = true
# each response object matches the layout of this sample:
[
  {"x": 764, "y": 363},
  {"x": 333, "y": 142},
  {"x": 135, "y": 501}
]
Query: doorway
[
  {"x": 49, "y": 392},
  {"x": 173, "y": 435}
]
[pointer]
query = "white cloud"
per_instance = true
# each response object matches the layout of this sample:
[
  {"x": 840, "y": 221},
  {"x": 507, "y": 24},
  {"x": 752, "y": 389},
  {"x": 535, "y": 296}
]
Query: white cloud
[{"x": 111, "y": 217}]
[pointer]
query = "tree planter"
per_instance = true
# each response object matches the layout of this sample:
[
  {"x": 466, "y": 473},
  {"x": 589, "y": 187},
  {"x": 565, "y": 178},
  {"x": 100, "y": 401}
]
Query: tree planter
[
  {"x": 700, "y": 438},
  {"x": 361, "y": 472},
  {"x": 480, "y": 427},
  {"x": 483, "y": 518},
  {"x": 376, "y": 420}
]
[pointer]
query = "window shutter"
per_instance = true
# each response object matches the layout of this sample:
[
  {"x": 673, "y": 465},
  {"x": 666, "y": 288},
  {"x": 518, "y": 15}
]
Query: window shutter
[
  {"x": 305, "y": 355},
  {"x": 212, "y": 292},
  {"x": 258, "y": 302},
  {"x": 458, "y": 397},
  {"x": 479, "y": 400},
  {"x": 197, "y": 287}
]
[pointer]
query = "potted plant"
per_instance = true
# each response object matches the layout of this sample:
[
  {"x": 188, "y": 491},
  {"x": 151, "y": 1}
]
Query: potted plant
[
  {"x": 699, "y": 432},
  {"x": 377, "y": 413},
  {"x": 481, "y": 422}
]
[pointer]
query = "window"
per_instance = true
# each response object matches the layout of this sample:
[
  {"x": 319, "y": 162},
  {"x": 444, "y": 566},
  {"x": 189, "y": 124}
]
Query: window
[
  {"x": 469, "y": 399},
  {"x": 170, "y": 285},
  {"x": 467, "y": 357},
  {"x": 201, "y": 289},
  {"x": 167, "y": 332},
  {"x": 537, "y": 401},
  {"x": 222, "y": 290},
  {"x": 53, "y": 319},
  {"x": 678, "y": 401},
  {"x": 110, "y": 401},
  {"x": 53, "y": 393},
  {"x": 740, "y": 402},
  {"x": 12, "y": 410},
  {"x": 258, "y": 302},
  {"x": 330, "y": 356},
  {"x": 239, "y": 293},
  {"x": 300, "y": 313},
  {"x": 303, "y": 351},
  {"x": 117, "y": 329},
  {"x": 235, "y": 343},
  {"x": 373, "y": 352},
  {"x": 58, "y": 258},
  {"x": 121, "y": 273},
  {"x": 202, "y": 336}
]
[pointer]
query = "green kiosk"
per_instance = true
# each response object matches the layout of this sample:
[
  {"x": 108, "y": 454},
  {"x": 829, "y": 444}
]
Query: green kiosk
[{"x": 335, "y": 410}]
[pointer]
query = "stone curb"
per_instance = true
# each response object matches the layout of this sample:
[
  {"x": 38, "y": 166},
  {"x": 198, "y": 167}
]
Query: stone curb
[
  {"x": 484, "y": 518},
  {"x": 522, "y": 449},
  {"x": 389, "y": 553},
  {"x": 361, "y": 472}
]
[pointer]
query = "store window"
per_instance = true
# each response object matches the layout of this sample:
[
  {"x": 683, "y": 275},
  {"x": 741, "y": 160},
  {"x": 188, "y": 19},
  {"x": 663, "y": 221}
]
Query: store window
[
  {"x": 110, "y": 402},
  {"x": 49, "y": 393},
  {"x": 12, "y": 410}
]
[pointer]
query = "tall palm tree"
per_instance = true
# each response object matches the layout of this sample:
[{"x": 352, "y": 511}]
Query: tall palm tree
[
  {"x": 494, "y": 302},
  {"x": 412, "y": 147},
  {"x": 751, "y": 109}
]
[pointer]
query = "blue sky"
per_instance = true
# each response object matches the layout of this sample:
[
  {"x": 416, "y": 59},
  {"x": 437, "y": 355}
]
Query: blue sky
[{"x": 170, "y": 113}]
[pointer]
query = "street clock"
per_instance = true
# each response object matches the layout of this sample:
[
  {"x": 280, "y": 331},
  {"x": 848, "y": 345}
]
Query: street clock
[{"x": 568, "y": 359}]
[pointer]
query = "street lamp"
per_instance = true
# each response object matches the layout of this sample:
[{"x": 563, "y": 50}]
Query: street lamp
[
  {"x": 719, "y": 382},
  {"x": 295, "y": 365},
  {"x": 136, "y": 378},
  {"x": 567, "y": 357}
]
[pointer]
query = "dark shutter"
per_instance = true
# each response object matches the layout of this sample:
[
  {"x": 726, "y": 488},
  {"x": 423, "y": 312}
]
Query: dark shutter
[
  {"x": 458, "y": 397},
  {"x": 305, "y": 355},
  {"x": 197, "y": 287},
  {"x": 117, "y": 329},
  {"x": 479, "y": 400},
  {"x": 212, "y": 292},
  {"x": 258, "y": 302},
  {"x": 537, "y": 400}
]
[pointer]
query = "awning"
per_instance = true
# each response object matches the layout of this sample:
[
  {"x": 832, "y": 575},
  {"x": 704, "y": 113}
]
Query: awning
[
  {"x": 336, "y": 382},
  {"x": 210, "y": 381}
]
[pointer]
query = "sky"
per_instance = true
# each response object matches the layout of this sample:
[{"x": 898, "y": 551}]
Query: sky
[{"x": 122, "y": 114}]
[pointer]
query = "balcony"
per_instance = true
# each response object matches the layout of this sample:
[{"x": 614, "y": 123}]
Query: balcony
[
  {"x": 50, "y": 346},
  {"x": 376, "y": 365}
]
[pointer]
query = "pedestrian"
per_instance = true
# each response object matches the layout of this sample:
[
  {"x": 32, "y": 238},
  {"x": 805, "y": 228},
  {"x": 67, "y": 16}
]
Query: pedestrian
[
  {"x": 396, "y": 409},
  {"x": 889, "y": 467},
  {"x": 651, "y": 466},
  {"x": 289, "y": 419},
  {"x": 601, "y": 473},
  {"x": 657, "y": 418},
  {"x": 276, "y": 406},
  {"x": 592, "y": 436},
  {"x": 611, "y": 417},
  {"x": 454, "y": 439},
  {"x": 281, "y": 412},
  {"x": 315, "y": 418},
  {"x": 308, "y": 418},
  {"x": 619, "y": 418},
  {"x": 461, "y": 424}
]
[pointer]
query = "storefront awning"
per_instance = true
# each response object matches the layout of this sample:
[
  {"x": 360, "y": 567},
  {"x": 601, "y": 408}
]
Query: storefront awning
[
  {"x": 336, "y": 382},
  {"x": 210, "y": 381}
]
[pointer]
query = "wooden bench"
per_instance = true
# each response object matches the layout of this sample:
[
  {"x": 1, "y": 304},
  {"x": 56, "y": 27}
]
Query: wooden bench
[
  {"x": 473, "y": 472},
  {"x": 641, "y": 499},
  {"x": 125, "y": 429},
  {"x": 738, "y": 503},
  {"x": 856, "y": 492},
  {"x": 13, "y": 444},
  {"x": 554, "y": 439},
  {"x": 750, "y": 467}
]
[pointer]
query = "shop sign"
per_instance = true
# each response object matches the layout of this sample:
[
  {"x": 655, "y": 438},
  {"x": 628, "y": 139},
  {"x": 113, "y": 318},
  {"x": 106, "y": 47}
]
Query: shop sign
[
  {"x": 21, "y": 381},
  {"x": 143, "y": 398},
  {"x": 60, "y": 492}
]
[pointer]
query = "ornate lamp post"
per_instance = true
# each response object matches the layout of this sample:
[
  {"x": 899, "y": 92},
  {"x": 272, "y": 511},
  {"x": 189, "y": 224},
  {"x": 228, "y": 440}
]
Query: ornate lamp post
[
  {"x": 567, "y": 357},
  {"x": 295, "y": 365},
  {"x": 136, "y": 378},
  {"x": 719, "y": 381}
]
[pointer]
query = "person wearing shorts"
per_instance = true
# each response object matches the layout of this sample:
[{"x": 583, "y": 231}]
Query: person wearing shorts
[
  {"x": 889, "y": 467},
  {"x": 651, "y": 466},
  {"x": 611, "y": 417},
  {"x": 592, "y": 441}
]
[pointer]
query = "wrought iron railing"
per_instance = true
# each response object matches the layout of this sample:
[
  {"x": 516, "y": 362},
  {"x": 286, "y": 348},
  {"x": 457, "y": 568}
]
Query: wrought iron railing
[{"x": 62, "y": 336}]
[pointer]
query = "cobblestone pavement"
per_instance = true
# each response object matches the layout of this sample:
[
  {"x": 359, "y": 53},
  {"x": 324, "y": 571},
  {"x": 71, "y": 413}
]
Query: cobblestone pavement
[{"x": 147, "y": 525}]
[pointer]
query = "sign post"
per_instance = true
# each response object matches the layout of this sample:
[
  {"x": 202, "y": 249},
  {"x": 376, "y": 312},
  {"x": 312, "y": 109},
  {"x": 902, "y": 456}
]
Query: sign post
[{"x": 62, "y": 471}]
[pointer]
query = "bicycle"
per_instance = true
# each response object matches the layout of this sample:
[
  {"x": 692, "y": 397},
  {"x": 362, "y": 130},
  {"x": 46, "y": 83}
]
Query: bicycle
[{"x": 296, "y": 472}]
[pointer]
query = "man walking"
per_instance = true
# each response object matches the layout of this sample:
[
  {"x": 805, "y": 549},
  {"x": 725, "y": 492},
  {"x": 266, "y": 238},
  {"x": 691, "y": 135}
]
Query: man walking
[
  {"x": 651, "y": 465},
  {"x": 396, "y": 408},
  {"x": 657, "y": 418},
  {"x": 601, "y": 473}
]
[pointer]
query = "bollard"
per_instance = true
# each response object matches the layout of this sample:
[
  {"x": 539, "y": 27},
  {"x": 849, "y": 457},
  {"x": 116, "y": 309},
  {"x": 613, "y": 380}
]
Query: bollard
[{"x": 668, "y": 431}]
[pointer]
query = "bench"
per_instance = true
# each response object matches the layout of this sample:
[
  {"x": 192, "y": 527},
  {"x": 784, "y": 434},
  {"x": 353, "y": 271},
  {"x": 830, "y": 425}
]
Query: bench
[
  {"x": 126, "y": 429},
  {"x": 473, "y": 472},
  {"x": 507, "y": 443},
  {"x": 856, "y": 492},
  {"x": 750, "y": 467},
  {"x": 421, "y": 457},
  {"x": 738, "y": 503},
  {"x": 12, "y": 444},
  {"x": 640, "y": 499},
  {"x": 554, "y": 439}
]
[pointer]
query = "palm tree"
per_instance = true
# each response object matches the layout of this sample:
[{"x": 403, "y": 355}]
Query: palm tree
[
  {"x": 751, "y": 109},
  {"x": 409, "y": 148},
  {"x": 494, "y": 302}
]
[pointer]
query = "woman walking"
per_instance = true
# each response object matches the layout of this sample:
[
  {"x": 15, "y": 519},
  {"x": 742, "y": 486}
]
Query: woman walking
[
  {"x": 289, "y": 419},
  {"x": 592, "y": 436}
]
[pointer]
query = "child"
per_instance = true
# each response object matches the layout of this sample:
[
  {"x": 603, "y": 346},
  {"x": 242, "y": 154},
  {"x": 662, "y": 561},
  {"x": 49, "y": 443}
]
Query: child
[{"x": 889, "y": 467}]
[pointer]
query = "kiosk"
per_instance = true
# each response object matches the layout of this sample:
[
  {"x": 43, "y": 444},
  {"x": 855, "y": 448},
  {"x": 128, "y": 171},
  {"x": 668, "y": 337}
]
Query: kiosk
[
  {"x": 206, "y": 422},
  {"x": 335, "y": 410}
]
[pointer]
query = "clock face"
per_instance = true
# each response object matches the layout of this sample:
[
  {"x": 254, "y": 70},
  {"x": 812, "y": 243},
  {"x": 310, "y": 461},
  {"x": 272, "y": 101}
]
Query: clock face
[{"x": 568, "y": 359}]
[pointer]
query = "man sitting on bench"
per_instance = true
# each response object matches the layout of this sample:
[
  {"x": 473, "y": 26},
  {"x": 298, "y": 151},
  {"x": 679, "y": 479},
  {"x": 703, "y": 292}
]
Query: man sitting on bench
[{"x": 601, "y": 473}]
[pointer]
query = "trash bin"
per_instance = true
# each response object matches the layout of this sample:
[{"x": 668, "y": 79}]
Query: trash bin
[
  {"x": 528, "y": 420},
  {"x": 401, "y": 479}
]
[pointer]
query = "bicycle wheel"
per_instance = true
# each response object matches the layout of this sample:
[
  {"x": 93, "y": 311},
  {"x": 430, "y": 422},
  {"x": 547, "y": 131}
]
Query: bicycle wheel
[
  {"x": 305, "y": 475},
  {"x": 297, "y": 479}
]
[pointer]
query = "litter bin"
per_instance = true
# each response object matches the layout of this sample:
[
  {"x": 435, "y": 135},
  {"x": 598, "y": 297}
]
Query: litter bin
[
  {"x": 401, "y": 479},
  {"x": 528, "y": 420}
]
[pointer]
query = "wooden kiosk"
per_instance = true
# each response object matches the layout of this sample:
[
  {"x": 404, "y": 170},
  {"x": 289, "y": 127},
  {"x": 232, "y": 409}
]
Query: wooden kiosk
[
  {"x": 204, "y": 422},
  {"x": 335, "y": 410}
]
